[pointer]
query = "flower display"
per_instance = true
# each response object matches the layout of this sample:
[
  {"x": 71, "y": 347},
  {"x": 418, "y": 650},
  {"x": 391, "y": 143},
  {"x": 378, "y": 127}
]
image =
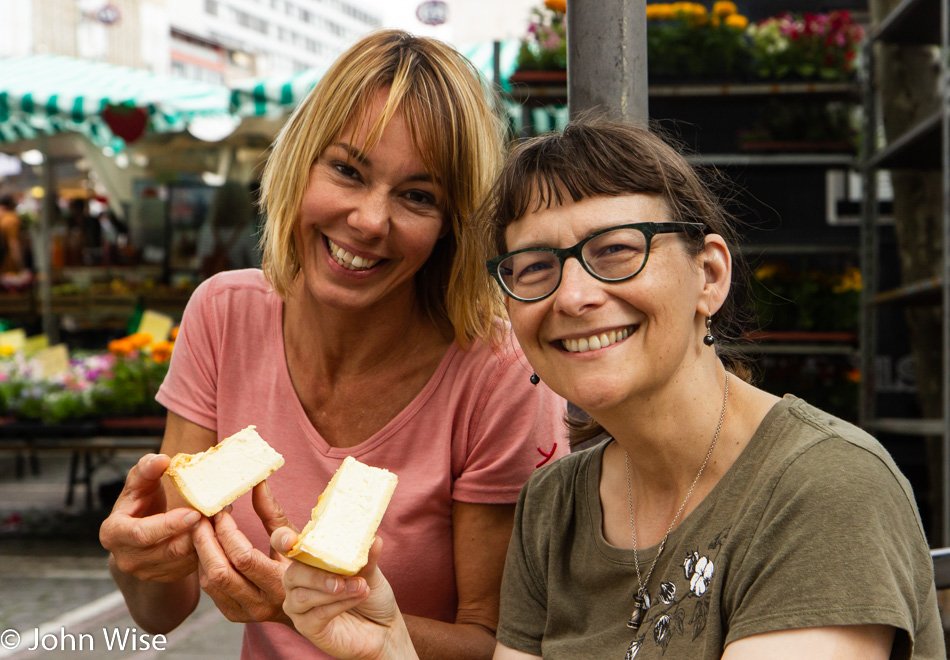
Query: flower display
[
  {"x": 815, "y": 124},
  {"x": 687, "y": 39},
  {"x": 786, "y": 297},
  {"x": 544, "y": 48},
  {"x": 695, "y": 40},
  {"x": 808, "y": 46},
  {"x": 691, "y": 40},
  {"x": 120, "y": 382}
]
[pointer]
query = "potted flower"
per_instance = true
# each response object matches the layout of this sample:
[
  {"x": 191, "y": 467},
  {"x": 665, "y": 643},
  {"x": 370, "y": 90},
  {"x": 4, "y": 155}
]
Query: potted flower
[
  {"x": 685, "y": 40},
  {"x": 811, "y": 124},
  {"x": 542, "y": 56},
  {"x": 806, "y": 46},
  {"x": 120, "y": 382}
]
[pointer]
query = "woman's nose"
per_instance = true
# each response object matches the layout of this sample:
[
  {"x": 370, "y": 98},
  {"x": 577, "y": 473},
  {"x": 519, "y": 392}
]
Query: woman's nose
[
  {"x": 578, "y": 291},
  {"x": 371, "y": 215}
]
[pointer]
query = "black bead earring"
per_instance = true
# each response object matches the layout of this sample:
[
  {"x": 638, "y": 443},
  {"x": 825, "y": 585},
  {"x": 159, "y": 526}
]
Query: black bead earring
[
  {"x": 709, "y": 340},
  {"x": 535, "y": 379}
]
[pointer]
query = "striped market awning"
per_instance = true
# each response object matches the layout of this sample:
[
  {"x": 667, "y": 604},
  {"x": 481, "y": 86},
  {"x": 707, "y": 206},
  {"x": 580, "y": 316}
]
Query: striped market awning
[
  {"x": 273, "y": 96},
  {"x": 278, "y": 95},
  {"x": 53, "y": 93}
]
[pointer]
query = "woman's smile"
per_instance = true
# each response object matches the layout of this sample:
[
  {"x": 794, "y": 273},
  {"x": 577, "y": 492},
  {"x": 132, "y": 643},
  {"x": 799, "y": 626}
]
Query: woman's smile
[
  {"x": 347, "y": 259},
  {"x": 596, "y": 341}
]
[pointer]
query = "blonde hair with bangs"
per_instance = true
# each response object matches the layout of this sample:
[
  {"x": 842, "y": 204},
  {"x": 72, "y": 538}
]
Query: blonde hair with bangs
[{"x": 458, "y": 131}]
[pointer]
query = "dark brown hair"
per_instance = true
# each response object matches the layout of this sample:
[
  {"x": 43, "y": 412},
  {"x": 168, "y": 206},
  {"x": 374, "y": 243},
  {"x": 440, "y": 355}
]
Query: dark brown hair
[{"x": 596, "y": 156}]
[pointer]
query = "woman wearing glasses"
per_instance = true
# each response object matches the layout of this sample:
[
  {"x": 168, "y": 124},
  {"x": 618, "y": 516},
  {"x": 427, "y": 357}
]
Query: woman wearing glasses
[{"x": 717, "y": 521}]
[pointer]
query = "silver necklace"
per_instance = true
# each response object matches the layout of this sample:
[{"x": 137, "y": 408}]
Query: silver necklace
[{"x": 641, "y": 599}]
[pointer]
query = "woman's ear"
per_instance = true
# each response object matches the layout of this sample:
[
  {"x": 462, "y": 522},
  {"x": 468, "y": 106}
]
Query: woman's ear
[{"x": 717, "y": 270}]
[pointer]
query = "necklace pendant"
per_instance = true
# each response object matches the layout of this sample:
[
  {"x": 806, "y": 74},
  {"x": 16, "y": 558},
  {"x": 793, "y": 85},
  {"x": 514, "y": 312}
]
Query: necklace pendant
[{"x": 636, "y": 617}]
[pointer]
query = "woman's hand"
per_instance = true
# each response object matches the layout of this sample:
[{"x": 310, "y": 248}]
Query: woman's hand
[
  {"x": 348, "y": 617},
  {"x": 244, "y": 582},
  {"x": 145, "y": 541}
]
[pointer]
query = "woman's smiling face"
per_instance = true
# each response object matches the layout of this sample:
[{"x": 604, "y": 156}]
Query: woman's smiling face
[
  {"x": 598, "y": 343},
  {"x": 369, "y": 219}
]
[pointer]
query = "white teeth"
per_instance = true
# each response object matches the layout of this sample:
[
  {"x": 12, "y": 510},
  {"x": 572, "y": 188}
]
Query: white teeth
[
  {"x": 349, "y": 261},
  {"x": 595, "y": 342}
]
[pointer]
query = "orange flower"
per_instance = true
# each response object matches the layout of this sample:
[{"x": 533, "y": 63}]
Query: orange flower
[
  {"x": 724, "y": 8},
  {"x": 173, "y": 335},
  {"x": 556, "y": 5},
  {"x": 162, "y": 351},
  {"x": 121, "y": 347},
  {"x": 737, "y": 21},
  {"x": 140, "y": 339},
  {"x": 659, "y": 12}
]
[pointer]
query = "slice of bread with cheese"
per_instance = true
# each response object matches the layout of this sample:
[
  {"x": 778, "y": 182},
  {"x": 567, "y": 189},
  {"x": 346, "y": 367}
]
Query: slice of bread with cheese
[
  {"x": 344, "y": 522},
  {"x": 212, "y": 479}
]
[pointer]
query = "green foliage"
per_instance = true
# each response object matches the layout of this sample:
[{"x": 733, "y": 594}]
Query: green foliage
[
  {"x": 96, "y": 385},
  {"x": 682, "y": 47}
]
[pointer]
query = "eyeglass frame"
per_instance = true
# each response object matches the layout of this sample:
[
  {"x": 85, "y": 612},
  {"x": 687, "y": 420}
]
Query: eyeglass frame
[{"x": 648, "y": 229}]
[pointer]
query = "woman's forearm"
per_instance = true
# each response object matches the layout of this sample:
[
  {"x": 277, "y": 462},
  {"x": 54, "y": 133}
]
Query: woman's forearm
[
  {"x": 436, "y": 639},
  {"x": 158, "y": 607}
]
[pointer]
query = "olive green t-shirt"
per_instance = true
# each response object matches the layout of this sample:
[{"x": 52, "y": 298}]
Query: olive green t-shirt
[{"x": 813, "y": 525}]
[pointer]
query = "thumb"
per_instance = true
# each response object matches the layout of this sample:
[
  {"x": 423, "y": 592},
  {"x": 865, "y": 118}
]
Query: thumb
[
  {"x": 371, "y": 571},
  {"x": 143, "y": 484},
  {"x": 282, "y": 539},
  {"x": 268, "y": 509}
]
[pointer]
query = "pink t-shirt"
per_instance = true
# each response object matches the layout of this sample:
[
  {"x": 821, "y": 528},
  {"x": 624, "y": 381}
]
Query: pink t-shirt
[{"x": 474, "y": 433}]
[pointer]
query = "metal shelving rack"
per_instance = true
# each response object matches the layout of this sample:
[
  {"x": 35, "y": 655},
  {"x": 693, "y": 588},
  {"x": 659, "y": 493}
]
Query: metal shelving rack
[{"x": 925, "y": 146}]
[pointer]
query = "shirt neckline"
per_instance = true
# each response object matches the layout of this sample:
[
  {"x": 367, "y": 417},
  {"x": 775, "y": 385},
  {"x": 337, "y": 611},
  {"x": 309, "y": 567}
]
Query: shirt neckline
[
  {"x": 397, "y": 422},
  {"x": 646, "y": 555}
]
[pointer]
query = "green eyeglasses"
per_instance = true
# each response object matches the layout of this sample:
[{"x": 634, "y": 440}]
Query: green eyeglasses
[{"x": 614, "y": 254}]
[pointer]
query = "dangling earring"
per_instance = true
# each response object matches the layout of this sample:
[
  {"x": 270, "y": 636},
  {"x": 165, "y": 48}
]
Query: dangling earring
[
  {"x": 709, "y": 340},
  {"x": 535, "y": 379}
]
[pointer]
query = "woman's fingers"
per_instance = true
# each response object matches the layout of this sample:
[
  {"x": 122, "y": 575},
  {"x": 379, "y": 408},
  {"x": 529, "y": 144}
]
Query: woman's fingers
[
  {"x": 282, "y": 539},
  {"x": 268, "y": 509},
  {"x": 313, "y": 604},
  {"x": 161, "y": 526},
  {"x": 142, "y": 493}
]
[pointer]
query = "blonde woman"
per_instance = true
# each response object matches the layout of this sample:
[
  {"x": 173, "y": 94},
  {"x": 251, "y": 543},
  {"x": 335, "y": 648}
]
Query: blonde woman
[{"x": 370, "y": 332}]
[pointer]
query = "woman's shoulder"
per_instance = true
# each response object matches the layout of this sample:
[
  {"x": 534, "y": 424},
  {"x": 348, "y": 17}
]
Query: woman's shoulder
[
  {"x": 833, "y": 455},
  {"x": 247, "y": 282},
  {"x": 566, "y": 473},
  {"x": 813, "y": 426}
]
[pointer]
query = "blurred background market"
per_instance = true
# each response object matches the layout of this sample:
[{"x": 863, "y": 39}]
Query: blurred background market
[{"x": 133, "y": 134}]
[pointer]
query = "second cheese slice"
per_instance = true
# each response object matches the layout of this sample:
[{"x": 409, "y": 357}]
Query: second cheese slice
[{"x": 344, "y": 522}]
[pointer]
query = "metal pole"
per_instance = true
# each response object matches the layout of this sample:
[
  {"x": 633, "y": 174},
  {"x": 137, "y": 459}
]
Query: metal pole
[
  {"x": 607, "y": 58},
  {"x": 45, "y": 269},
  {"x": 945, "y": 274}
]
